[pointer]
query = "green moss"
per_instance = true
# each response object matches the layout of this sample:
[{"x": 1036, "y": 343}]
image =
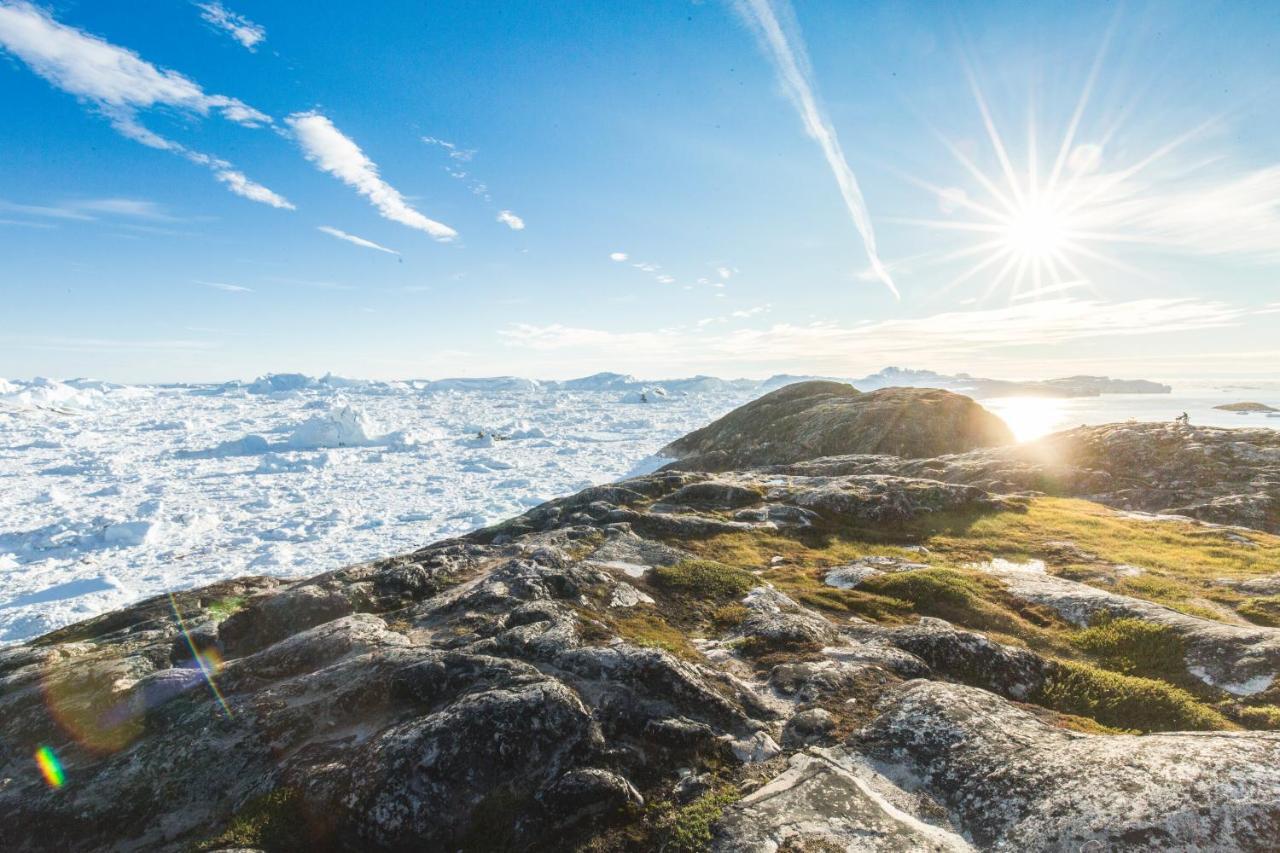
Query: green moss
[
  {"x": 652, "y": 631},
  {"x": 1085, "y": 725},
  {"x": 877, "y": 607},
  {"x": 687, "y": 829},
  {"x": 969, "y": 599},
  {"x": 273, "y": 822},
  {"x": 704, "y": 578},
  {"x": 1134, "y": 647},
  {"x": 1124, "y": 701},
  {"x": 639, "y": 626},
  {"x": 224, "y": 607},
  {"x": 726, "y": 617},
  {"x": 1262, "y": 611},
  {"x": 1132, "y": 677},
  {"x": 1259, "y": 717}
]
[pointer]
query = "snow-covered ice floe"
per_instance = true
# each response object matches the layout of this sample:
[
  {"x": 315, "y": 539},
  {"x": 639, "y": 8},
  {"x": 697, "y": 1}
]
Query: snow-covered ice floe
[{"x": 114, "y": 493}]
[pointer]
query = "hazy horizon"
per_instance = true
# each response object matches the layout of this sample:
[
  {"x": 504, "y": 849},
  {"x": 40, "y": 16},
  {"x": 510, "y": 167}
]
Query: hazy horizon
[{"x": 1255, "y": 380}]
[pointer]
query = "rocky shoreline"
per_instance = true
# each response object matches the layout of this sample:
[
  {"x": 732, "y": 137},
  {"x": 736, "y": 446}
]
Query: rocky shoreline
[{"x": 794, "y": 638}]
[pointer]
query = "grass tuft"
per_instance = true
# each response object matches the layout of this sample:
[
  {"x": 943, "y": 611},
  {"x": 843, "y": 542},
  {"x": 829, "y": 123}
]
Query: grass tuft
[
  {"x": 273, "y": 822},
  {"x": 1261, "y": 611},
  {"x": 1265, "y": 717},
  {"x": 222, "y": 608},
  {"x": 1134, "y": 647},
  {"x": 1125, "y": 701},
  {"x": 707, "y": 579},
  {"x": 687, "y": 829}
]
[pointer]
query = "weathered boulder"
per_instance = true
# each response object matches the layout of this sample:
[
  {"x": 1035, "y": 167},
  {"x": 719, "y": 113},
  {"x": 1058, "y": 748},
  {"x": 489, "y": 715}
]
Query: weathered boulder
[
  {"x": 1011, "y": 782},
  {"x": 818, "y": 805}
]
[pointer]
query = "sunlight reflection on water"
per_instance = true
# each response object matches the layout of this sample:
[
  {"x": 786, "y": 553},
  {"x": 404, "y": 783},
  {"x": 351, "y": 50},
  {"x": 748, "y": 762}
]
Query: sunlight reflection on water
[
  {"x": 1029, "y": 417},
  {"x": 1033, "y": 417}
]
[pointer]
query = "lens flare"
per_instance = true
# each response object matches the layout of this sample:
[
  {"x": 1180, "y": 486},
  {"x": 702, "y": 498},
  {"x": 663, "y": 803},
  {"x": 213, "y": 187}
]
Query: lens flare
[
  {"x": 50, "y": 767},
  {"x": 209, "y": 661},
  {"x": 87, "y": 704}
]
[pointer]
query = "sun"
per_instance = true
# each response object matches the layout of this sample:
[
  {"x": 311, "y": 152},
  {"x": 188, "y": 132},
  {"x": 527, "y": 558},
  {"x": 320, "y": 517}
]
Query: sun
[
  {"x": 1040, "y": 225},
  {"x": 1037, "y": 231}
]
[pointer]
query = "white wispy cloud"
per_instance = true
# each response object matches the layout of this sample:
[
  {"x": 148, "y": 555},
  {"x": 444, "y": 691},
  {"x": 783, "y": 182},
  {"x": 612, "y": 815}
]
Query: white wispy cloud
[
  {"x": 832, "y": 347},
  {"x": 351, "y": 238},
  {"x": 741, "y": 314},
  {"x": 1236, "y": 215},
  {"x": 49, "y": 211},
  {"x": 90, "y": 209},
  {"x": 509, "y": 219},
  {"x": 136, "y": 207},
  {"x": 240, "y": 28},
  {"x": 332, "y": 152},
  {"x": 462, "y": 155},
  {"x": 119, "y": 84},
  {"x": 652, "y": 269},
  {"x": 221, "y": 285},
  {"x": 116, "y": 80},
  {"x": 27, "y": 224},
  {"x": 242, "y": 186},
  {"x": 458, "y": 169},
  {"x": 774, "y": 25}
]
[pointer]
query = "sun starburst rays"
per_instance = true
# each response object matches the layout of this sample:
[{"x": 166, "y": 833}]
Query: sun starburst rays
[{"x": 1040, "y": 225}]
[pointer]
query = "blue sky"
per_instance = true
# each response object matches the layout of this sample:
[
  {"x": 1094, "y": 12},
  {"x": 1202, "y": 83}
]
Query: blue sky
[{"x": 199, "y": 191}]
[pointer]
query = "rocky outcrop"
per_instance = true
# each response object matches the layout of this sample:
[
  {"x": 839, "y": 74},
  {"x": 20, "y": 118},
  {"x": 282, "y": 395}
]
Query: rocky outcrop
[
  {"x": 1242, "y": 660},
  {"x": 1224, "y": 476},
  {"x": 1015, "y": 783},
  {"x": 817, "y": 804},
  {"x": 809, "y": 420}
]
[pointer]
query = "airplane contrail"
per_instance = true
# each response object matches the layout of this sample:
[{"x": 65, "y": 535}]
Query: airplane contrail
[{"x": 792, "y": 64}]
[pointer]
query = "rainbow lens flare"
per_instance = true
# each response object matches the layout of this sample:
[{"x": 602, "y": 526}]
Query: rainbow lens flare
[
  {"x": 50, "y": 767},
  {"x": 207, "y": 660}
]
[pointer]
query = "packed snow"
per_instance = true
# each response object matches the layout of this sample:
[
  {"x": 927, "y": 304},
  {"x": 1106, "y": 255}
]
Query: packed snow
[{"x": 113, "y": 493}]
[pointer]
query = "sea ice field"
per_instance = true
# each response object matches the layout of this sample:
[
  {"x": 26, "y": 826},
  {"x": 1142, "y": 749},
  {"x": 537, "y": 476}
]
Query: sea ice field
[{"x": 113, "y": 493}]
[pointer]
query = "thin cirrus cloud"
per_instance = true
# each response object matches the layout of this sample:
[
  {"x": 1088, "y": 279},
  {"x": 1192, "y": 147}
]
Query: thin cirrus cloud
[
  {"x": 333, "y": 152},
  {"x": 774, "y": 25},
  {"x": 119, "y": 84},
  {"x": 352, "y": 238},
  {"x": 240, "y": 28},
  {"x": 92, "y": 209},
  {"x": 951, "y": 337},
  {"x": 1237, "y": 216},
  {"x": 458, "y": 169},
  {"x": 509, "y": 219},
  {"x": 654, "y": 270},
  {"x": 242, "y": 186},
  {"x": 226, "y": 288}
]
